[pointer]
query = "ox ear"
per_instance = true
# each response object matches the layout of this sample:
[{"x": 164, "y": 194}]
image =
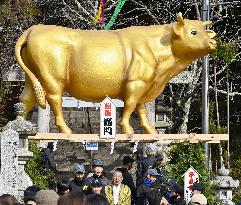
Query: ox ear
[
  {"x": 211, "y": 33},
  {"x": 205, "y": 23},
  {"x": 177, "y": 31}
]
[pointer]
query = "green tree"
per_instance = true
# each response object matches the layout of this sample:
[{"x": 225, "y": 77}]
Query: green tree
[
  {"x": 182, "y": 156},
  {"x": 34, "y": 168}
]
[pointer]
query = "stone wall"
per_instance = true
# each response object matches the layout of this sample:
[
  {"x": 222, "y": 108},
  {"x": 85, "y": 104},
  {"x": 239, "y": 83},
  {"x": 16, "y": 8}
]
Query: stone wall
[
  {"x": 69, "y": 153},
  {"x": 77, "y": 120}
]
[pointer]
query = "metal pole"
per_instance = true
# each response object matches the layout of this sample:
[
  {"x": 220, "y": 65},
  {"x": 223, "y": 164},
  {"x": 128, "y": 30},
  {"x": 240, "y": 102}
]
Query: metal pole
[
  {"x": 205, "y": 78},
  {"x": 228, "y": 115}
]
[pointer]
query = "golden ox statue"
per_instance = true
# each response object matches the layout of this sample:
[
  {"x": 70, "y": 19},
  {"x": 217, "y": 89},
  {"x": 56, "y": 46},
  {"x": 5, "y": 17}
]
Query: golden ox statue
[{"x": 132, "y": 64}]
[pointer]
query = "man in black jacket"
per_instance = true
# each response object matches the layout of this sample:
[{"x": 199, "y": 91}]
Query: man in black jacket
[
  {"x": 127, "y": 177},
  {"x": 146, "y": 194},
  {"x": 79, "y": 182},
  {"x": 98, "y": 168},
  {"x": 177, "y": 195},
  {"x": 144, "y": 164},
  {"x": 47, "y": 158}
]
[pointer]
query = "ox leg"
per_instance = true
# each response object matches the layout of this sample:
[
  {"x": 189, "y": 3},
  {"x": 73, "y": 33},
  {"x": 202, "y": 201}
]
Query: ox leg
[
  {"x": 134, "y": 92},
  {"x": 55, "y": 102},
  {"x": 27, "y": 97},
  {"x": 144, "y": 122}
]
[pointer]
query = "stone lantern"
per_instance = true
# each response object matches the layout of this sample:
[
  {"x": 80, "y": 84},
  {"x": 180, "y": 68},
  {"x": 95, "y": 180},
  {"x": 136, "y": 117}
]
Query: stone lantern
[
  {"x": 24, "y": 129},
  {"x": 224, "y": 184}
]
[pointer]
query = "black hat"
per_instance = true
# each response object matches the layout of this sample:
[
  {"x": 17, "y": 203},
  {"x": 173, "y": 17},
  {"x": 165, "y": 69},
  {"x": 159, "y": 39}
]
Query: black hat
[
  {"x": 178, "y": 188},
  {"x": 197, "y": 186},
  {"x": 127, "y": 159},
  {"x": 30, "y": 193},
  {"x": 96, "y": 182},
  {"x": 171, "y": 182},
  {"x": 62, "y": 185},
  {"x": 98, "y": 162}
]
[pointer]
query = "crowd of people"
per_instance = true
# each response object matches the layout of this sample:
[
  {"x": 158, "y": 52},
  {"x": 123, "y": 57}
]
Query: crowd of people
[{"x": 152, "y": 187}]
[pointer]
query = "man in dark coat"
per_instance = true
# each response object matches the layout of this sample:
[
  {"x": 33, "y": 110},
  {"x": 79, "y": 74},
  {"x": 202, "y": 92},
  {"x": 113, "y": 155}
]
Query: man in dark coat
[
  {"x": 177, "y": 195},
  {"x": 127, "y": 177},
  {"x": 146, "y": 194},
  {"x": 47, "y": 158},
  {"x": 98, "y": 168},
  {"x": 144, "y": 164},
  {"x": 79, "y": 181}
]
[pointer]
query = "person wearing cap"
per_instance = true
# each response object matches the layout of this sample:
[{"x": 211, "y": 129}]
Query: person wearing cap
[
  {"x": 177, "y": 195},
  {"x": 168, "y": 193},
  {"x": 144, "y": 164},
  {"x": 118, "y": 193},
  {"x": 97, "y": 186},
  {"x": 146, "y": 194},
  {"x": 98, "y": 169},
  {"x": 127, "y": 177},
  {"x": 198, "y": 199},
  {"x": 197, "y": 196},
  {"x": 197, "y": 188},
  {"x": 79, "y": 182},
  {"x": 46, "y": 197}
]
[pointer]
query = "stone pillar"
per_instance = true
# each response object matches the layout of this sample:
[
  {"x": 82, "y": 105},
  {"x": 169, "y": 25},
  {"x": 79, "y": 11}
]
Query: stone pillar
[
  {"x": 43, "y": 122},
  {"x": 224, "y": 184},
  {"x": 150, "y": 108},
  {"x": 24, "y": 129},
  {"x": 9, "y": 141},
  {"x": 44, "y": 119}
]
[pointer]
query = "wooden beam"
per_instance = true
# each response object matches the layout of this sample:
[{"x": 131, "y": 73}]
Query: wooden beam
[{"x": 214, "y": 138}]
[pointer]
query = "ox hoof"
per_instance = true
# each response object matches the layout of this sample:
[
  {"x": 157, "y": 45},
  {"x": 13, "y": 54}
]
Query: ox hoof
[
  {"x": 150, "y": 130},
  {"x": 127, "y": 130},
  {"x": 66, "y": 130}
]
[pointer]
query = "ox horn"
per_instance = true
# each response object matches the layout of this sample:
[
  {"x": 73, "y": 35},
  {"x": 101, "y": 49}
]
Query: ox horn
[{"x": 180, "y": 20}]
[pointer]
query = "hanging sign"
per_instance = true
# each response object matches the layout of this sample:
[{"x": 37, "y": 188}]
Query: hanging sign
[
  {"x": 107, "y": 118},
  {"x": 191, "y": 176},
  {"x": 93, "y": 146}
]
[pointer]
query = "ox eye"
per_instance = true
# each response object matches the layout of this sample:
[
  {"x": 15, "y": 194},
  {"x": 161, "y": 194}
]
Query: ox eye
[{"x": 194, "y": 32}]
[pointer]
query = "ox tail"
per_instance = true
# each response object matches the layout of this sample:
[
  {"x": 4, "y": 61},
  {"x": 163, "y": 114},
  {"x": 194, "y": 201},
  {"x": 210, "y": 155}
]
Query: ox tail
[{"x": 37, "y": 87}]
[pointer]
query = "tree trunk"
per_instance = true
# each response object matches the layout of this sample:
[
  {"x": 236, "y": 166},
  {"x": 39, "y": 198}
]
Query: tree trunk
[{"x": 186, "y": 110}]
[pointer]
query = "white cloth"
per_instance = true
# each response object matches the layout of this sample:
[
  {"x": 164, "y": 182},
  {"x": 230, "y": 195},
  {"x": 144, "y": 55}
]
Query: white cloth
[{"x": 116, "y": 190}]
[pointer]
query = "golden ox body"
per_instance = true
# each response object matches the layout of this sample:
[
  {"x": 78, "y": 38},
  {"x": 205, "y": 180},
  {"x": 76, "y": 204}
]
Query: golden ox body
[{"x": 132, "y": 64}]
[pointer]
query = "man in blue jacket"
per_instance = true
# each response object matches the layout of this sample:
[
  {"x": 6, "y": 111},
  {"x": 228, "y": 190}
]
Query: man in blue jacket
[{"x": 146, "y": 193}]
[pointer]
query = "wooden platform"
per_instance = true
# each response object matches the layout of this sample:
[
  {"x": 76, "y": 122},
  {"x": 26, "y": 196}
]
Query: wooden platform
[{"x": 192, "y": 138}]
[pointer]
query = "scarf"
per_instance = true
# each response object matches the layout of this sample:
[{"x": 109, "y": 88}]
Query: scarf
[{"x": 148, "y": 182}]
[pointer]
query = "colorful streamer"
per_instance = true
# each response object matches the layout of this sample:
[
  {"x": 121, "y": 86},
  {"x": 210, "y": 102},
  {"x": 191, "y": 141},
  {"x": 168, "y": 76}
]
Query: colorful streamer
[
  {"x": 99, "y": 19},
  {"x": 102, "y": 19},
  {"x": 118, "y": 8}
]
